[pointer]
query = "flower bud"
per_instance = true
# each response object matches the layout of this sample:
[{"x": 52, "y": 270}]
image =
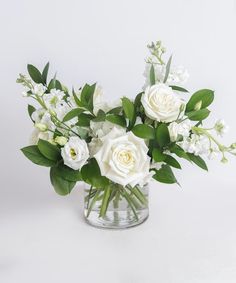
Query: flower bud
[
  {"x": 41, "y": 127},
  {"x": 233, "y": 145},
  {"x": 224, "y": 159},
  {"x": 61, "y": 140}
]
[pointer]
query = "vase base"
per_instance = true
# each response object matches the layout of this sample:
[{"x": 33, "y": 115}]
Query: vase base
[{"x": 116, "y": 220}]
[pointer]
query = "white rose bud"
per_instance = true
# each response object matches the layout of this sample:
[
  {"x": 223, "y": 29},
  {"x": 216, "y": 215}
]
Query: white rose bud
[
  {"x": 198, "y": 105},
  {"x": 61, "y": 140},
  {"x": 75, "y": 153},
  {"x": 41, "y": 127},
  {"x": 162, "y": 104}
]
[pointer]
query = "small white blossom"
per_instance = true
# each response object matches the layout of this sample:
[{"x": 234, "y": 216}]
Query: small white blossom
[
  {"x": 179, "y": 129},
  {"x": 38, "y": 89},
  {"x": 220, "y": 127},
  {"x": 75, "y": 153},
  {"x": 196, "y": 144},
  {"x": 54, "y": 98}
]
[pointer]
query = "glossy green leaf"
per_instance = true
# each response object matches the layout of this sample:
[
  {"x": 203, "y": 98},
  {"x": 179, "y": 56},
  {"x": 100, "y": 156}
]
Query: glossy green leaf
[
  {"x": 116, "y": 119},
  {"x": 84, "y": 120},
  {"x": 198, "y": 115},
  {"x": 49, "y": 150},
  {"x": 144, "y": 131},
  {"x": 203, "y": 96},
  {"x": 61, "y": 186},
  {"x": 128, "y": 107},
  {"x": 170, "y": 160},
  {"x": 87, "y": 96},
  {"x": 101, "y": 116},
  {"x": 115, "y": 110},
  {"x": 33, "y": 154},
  {"x": 165, "y": 175},
  {"x": 152, "y": 75},
  {"x": 178, "y": 88},
  {"x": 167, "y": 69},
  {"x": 198, "y": 161},
  {"x": 68, "y": 173},
  {"x": 72, "y": 114},
  {"x": 91, "y": 174},
  {"x": 162, "y": 135},
  {"x": 45, "y": 73},
  {"x": 158, "y": 155},
  {"x": 34, "y": 74},
  {"x": 31, "y": 110},
  {"x": 179, "y": 152}
]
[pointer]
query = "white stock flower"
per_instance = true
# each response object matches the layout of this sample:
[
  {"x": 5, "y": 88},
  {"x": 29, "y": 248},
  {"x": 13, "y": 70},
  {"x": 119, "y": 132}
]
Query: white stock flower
[
  {"x": 179, "y": 129},
  {"x": 178, "y": 75},
  {"x": 37, "y": 134},
  {"x": 123, "y": 158},
  {"x": 41, "y": 116},
  {"x": 100, "y": 129},
  {"x": 53, "y": 98},
  {"x": 162, "y": 104},
  {"x": 75, "y": 153},
  {"x": 220, "y": 127},
  {"x": 39, "y": 89},
  {"x": 196, "y": 144}
]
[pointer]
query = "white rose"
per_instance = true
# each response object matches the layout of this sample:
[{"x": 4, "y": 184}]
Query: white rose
[
  {"x": 182, "y": 129},
  {"x": 162, "y": 104},
  {"x": 123, "y": 158},
  {"x": 75, "y": 153}
]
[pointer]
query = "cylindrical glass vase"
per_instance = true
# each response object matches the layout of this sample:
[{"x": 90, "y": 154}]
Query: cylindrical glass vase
[{"x": 116, "y": 207}]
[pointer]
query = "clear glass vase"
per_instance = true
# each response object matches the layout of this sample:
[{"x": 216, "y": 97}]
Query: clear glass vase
[{"x": 116, "y": 207}]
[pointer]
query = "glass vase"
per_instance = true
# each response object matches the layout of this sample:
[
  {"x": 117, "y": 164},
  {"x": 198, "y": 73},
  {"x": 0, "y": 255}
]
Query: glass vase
[{"x": 116, "y": 207}]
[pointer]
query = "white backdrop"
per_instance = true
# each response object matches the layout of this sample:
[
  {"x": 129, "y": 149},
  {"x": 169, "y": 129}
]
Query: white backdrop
[{"x": 191, "y": 233}]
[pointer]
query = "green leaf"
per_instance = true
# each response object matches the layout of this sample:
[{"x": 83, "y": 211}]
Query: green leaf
[
  {"x": 72, "y": 114},
  {"x": 34, "y": 74},
  {"x": 165, "y": 175},
  {"x": 116, "y": 119},
  {"x": 203, "y": 96},
  {"x": 52, "y": 84},
  {"x": 101, "y": 116},
  {"x": 49, "y": 150},
  {"x": 137, "y": 100},
  {"x": 67, "y": 173},
  {"x": 31, "y": 110},
  {"x": 172, "y": 162},
  {"x": 84, "y": 119},
  {"x": 58, "y": 85},
  {"x": 45, "y": 73},
  {"x": 179, "y": 152},
  {"x": 128, "y": 107},
  {"x": 158, "y": 155},
  {"x": 87, "y": 96},
  {"x": 77, "y": 101},
  {"x": 33, "y": 154},
  {"x": 167, "y": 69},
  {"x": 152, "y": 75},
  {"x": 178, "y": 88},
  {"x": 198, "y": 161},
  {"x": 198, "y": 115},
  {"x": 144, "y": 131},
  {"x": 91, "y": 174},
  {"x": 115, "y": 110},
  {"x": 162, "y": 135},
  {"x": 61, "y": 186}
]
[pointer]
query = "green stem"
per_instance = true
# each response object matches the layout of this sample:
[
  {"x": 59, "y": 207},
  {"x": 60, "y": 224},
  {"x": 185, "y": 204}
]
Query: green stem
[
  {"x": 105, "y": 202},
  {"x": 93, "y": 201}
]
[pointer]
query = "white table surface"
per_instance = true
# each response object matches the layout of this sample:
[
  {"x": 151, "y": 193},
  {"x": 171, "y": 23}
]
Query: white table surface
[{"x": 189, "y": 237}]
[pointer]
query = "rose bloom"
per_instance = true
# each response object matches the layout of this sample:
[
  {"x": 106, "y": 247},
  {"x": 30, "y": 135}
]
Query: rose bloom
[
  {"x": 162, "y": 104},
  {"x": 123, "y": 158},
  {"x": 75, "y": 153}
]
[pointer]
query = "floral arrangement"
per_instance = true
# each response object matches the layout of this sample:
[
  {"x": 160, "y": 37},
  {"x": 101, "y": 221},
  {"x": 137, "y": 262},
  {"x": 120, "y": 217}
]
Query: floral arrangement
[{"x": 119, "y": 147}]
